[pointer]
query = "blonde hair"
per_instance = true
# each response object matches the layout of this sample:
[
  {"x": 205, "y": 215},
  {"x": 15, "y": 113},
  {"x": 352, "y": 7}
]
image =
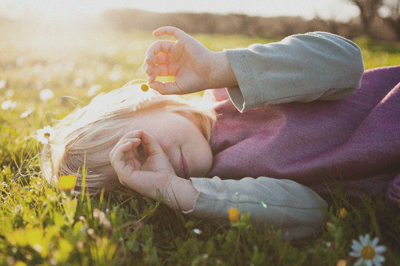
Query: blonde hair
[{"x": 93, "y": 128}]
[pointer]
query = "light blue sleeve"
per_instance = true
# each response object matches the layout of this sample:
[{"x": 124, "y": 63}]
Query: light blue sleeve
[
  {"x": 289, "y": 206},
  {"x": 301, "y": 68}
]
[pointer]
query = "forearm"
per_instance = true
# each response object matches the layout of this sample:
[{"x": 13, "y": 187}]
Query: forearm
[
  {"x": 303, "y": 67},
  {"x": 289, "y": 206}
]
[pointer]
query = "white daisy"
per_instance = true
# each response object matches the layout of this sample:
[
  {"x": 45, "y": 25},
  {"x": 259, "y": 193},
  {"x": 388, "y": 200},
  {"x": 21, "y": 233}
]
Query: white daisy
[
  {"x": 115, "y": 75},
  {"x": 26, "y": 113},
  {"x": 197, "y": 231},
  {"x": 2, "y": 83},
  {"x": 93, "y": 90},
  {"x": 45, "y": 135},
  {"x": 46, "y": 94},
  {"x": 79, "y": 82},
  {"x": 9, "y": 93},
  {"x": 368, "y": 251},
  {"x": 8, "y": 105}
]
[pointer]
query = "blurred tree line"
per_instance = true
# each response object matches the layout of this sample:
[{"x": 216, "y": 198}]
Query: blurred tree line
[
  {"x": 381, "y": 12},
  {"x": 379, "y": 19}
]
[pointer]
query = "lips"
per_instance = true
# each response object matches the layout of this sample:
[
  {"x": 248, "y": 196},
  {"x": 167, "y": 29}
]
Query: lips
[{"x": 185, "y": 167}]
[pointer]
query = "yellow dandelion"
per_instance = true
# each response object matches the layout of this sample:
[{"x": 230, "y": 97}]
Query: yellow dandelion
[
  {"x": 144, "y": 87},
  {"x": 342, "y": 213},
  {"x": 233, "y": 215},
  {"x": 66, "y": 182}
]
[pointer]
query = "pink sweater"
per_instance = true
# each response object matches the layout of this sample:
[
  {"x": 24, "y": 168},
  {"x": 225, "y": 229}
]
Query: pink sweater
[{"x": 353, "y": 141}]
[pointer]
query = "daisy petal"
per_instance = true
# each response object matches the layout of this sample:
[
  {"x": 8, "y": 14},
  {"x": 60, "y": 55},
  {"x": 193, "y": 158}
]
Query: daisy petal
[
  {"x": 367, "y": 240},
  {"x": 359, "y": 262},
  {"x": 380, "y": 249},
  {"x": 355, "y": 254},
  {"x": 379, "y": 258},
  {"x": 197, "y": 231},
  {"x": 368, "y": 263},
  {"x": 356, "y": 246},
  {"x": 376, "y": 263},
  {"x": 362, "y": 240},
  {"x": 374, "y": 242}
]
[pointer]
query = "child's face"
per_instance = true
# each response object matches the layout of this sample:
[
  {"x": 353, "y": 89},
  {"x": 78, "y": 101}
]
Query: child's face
[{"x": 180, "y": 138}]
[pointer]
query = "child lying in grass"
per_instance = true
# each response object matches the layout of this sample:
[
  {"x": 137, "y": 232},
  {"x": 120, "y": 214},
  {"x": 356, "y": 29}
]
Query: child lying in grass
[{"x": 285, "y": 128}]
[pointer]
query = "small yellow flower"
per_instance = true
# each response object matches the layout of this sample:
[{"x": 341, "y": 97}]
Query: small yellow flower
[
  {"x": 233, "y": 215},
  {"x": 342, "y": 213},
  {"x": 66, "y": 182},
  {"x": 341, "y": 263},
  {"x": 144, "y": 87}
]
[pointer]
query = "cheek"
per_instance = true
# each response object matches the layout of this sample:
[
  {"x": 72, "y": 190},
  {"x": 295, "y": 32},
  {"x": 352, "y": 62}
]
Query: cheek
[{"x": 201, "y": 158}]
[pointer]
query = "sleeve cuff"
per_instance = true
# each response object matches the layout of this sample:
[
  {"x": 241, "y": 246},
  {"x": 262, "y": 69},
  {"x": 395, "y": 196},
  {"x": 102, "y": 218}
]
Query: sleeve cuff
[
  {"x": 245, "y": 96},
  {"x": 202, "y": 206}
]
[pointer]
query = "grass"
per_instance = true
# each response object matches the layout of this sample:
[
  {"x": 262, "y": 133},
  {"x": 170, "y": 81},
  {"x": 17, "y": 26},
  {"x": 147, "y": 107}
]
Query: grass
[{"x": 40, "y": 226}]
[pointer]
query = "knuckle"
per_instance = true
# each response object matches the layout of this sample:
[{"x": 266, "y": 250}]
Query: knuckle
[
  {"x": 121, "y": 180},
  {"x": 111, "y": 156},
  {"x": 120, "y": 177}
]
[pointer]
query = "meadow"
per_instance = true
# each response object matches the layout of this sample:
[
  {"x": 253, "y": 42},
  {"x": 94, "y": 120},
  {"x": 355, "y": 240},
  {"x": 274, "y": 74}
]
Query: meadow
[{"x": 47, "y": 71}]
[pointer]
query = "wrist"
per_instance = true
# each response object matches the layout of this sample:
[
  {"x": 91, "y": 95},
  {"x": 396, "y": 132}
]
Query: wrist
[
  {"x": 222, "y": 74},
  {"x": 180, "y": 194}
]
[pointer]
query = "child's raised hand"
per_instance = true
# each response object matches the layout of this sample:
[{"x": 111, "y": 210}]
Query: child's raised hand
[
  {"x": 194, "y": 67},
  {"x": 142, "y": 165},
  {"x": 135, "y": 157}
]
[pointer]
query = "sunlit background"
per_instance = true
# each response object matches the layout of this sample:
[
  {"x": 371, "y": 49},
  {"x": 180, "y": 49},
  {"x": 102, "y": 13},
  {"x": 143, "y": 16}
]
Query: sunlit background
[
  {"x": 74, "y": 45},
  {"x": 69, "y": 9}
]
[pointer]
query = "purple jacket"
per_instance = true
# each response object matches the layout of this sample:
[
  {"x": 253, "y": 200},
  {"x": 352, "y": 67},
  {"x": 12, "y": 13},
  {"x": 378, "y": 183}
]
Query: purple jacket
[{"x": 354, "y": 142}]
